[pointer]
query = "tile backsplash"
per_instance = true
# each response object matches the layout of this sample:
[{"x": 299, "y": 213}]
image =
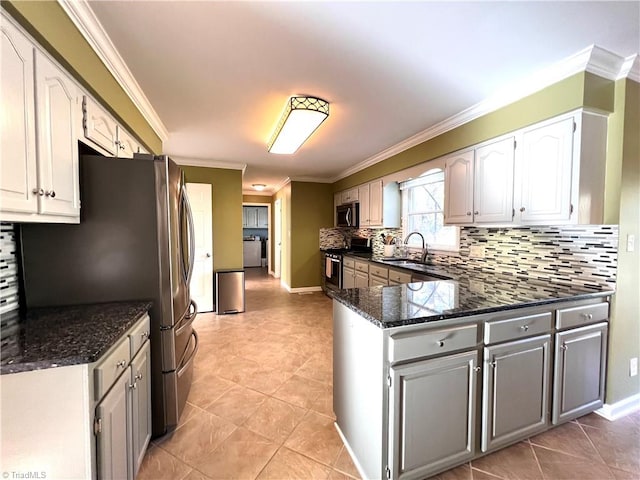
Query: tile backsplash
[{"x": 582, "y": 255}]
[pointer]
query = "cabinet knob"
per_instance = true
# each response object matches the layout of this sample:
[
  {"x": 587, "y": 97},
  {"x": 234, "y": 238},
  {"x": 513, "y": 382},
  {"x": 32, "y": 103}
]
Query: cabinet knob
[
  {"x": 208, "y": 255},
  {"x": 476, "y": 212},
  {"x": 522, "y": 209},
  {"x": 476, "y": 369},
  {"x": 133, "y": 386},
  {"x": 468, "y": 214},
  {"x": 493, "y": 364},
  {"x": 50, "y": 193},
  {"x": 138, "y": 377},
  {"x": 38, "y": 191},
  {"x": 564, "y": 347},
  {"x": 121, "y": 364},
  {"x": 524, "y": 328},
  {"x": 441, "y": 343},
  {"x": 587, "y": 316}
]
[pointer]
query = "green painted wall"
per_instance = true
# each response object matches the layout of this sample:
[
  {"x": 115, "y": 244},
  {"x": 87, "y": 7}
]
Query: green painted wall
[
  {"x": 47, "y": 22},
  {"x": 624, "y": 154},
  {"x": 226, "y": 192},
  {"x": 311, "y": 209},
  {"x": 256, "y": 199},
  {"x": 582, "y": 89}
]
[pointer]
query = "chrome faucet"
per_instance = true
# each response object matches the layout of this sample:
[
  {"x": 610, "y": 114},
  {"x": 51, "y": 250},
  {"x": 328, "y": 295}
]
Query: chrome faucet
[{"x": 423, "y": 256}]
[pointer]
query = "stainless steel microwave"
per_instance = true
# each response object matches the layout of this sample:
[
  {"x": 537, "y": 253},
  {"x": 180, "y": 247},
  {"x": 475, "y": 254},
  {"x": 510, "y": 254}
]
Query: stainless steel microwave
[{"x": 348, "y": 215}]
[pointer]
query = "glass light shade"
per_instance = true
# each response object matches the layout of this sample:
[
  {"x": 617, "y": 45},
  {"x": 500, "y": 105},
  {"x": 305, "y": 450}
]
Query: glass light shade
[
  {"x": 302, "y": 116},
  {"x": 259, "y": 186}
]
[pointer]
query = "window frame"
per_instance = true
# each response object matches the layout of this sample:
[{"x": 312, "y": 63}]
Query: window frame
[{"x": 440, "y": 248}]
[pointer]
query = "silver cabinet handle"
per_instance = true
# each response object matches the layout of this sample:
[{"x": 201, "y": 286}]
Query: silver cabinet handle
[
  {"x": 564, "y": 347},
  {"x": 145, "y": 335},
  {"x": 441, "y": 343},
  {"x": 587, "y": 316},
  {"x": 38, "y": 191},
  {"x": 50, "y": 193},
  {"x": 476, "y": 212},
  {"x": 134, "y": 386},
  {"x": 469, "y": 214},
  {"x": 524, "y": 328},
  {"x": 138, "y": 377},
  {"x": 522, "y": 209},
  {"x": 208, "y": 255},
  {"x": 476, "y": 369},
  {"x": 121, "y": 363},
  {"x": 493, "y": 364}
]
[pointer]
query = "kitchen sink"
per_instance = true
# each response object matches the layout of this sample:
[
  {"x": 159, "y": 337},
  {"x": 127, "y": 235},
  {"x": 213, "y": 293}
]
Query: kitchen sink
[{"x": 423, "y": 269}]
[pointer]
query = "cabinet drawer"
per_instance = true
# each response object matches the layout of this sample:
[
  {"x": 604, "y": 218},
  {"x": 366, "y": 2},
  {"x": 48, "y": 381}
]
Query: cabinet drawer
[
  {"x": 378, "y": 282},
  {"x": 515, "y": 328},
  {"x": 577, "y": 316},
  {"x": 348, "y": 262},
  {"x": 399, "y": 277},
  {"x": 416, "y": 344},
  {"x": 110, "y": 368},
  {"x": 362, "y": 267},
  {"x": 139, "y": 335},
  {"x": 378, "y": 271}
]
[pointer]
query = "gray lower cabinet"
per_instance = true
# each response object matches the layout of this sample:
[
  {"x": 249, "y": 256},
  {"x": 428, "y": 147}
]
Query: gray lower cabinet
[
  {"x": 348, "y": 278},
  {"x": 141, "y": 405},
  {"x": 579, "y": 373},
  {"x": 112, "y": 428},
  {"x": 432, "y": 414},
  {"x": 516, "y": 390}
]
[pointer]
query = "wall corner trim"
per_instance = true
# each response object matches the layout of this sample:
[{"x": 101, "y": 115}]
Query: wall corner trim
[
  {"x": 317, "y": 288},
  {"x": 620, "y": 409},
  {"x": 630, "y": 68},
  {"x": 592, "y": 59},
  {"x": 89, "y": 26}
]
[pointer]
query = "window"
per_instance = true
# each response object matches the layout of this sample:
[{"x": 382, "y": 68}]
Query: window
[{"x": 423, "y": 211}]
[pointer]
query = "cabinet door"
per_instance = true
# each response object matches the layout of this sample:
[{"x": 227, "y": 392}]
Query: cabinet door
[
  {"x": 361, "y": 279},
  {"x": 493, "y": 186},
  {"x": 546, "y": 161},
  {"x": 113, "y": 439},
  {"x": 98, "y": 126},
  {"x": 377, "y": 281},
  {"x": 125, "y": 144},
  {"x": 515, "y": 391},
  {"x": 141, "y": 405},
  {"x": 432, "y": 407},
  {"x": 18, "y": 178},
  {"x": 348, "y": 278},
  {"x": 580, "y": 362},
  {"x": 263, "y": 217},
  {"x": 375, "y": 203},
  {"x": 56, "y": 104},
  {"x": 458, "y": 185},
  {"x": 363, "y": 198}
]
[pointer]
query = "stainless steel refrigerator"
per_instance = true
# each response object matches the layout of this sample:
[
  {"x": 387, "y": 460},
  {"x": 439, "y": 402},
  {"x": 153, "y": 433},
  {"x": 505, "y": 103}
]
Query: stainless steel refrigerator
[{"x": 134, "y": 242}]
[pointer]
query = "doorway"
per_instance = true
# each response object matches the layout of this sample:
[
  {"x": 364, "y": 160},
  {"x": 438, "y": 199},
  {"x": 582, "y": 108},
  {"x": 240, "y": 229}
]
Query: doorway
[
  {"x": 201, "y": 285},
  {"x": 277, "y": 241},
  {"x": 256, "y": 235}
]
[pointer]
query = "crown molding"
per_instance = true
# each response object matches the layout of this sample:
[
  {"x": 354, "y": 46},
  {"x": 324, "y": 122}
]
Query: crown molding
[
  {"x": 593, "y": 59},
  {"x": 281, "y": 185},
  {"x": 91, "y": 29},
  {"x": 199, "y": 162},
  {"x": 631, "y": 68},
  {"x": 312, "y": 179}
]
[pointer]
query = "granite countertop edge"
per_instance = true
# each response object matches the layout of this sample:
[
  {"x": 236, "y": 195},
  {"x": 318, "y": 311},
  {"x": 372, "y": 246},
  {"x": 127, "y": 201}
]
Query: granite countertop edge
[
  {"x": 81, "y": 343},
  {"x": 461, "y": 314}
]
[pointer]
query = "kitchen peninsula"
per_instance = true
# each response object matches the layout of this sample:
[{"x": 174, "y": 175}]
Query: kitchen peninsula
[{"x": 430, "y": 375}]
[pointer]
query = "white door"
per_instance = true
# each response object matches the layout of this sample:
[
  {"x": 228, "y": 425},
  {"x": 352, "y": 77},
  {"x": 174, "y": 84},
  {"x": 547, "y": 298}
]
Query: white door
[
  {"x": 201, "y": 286},
  {"x": 278, "y": 238}
]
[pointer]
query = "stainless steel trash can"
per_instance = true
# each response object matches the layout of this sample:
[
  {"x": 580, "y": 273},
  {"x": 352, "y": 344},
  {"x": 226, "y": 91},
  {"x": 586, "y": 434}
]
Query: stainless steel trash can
[{"x": 230, "y": 291}]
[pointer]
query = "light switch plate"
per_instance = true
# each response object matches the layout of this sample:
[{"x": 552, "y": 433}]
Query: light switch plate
[
  {"x": 631, "y": 242},
  {"x": 633, "y": 367},
  {"x": 476, "y": 251}
]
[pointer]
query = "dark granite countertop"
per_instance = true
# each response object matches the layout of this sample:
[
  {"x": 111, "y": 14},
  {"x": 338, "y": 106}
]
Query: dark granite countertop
[
  {"x": 59, "y": 336},
  {"x": 422, "y": 302}
]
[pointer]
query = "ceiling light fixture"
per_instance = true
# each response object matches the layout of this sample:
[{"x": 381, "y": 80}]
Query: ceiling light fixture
[
  {"x": 301, "y": 117},
  {"x": 259, "y": 186}
]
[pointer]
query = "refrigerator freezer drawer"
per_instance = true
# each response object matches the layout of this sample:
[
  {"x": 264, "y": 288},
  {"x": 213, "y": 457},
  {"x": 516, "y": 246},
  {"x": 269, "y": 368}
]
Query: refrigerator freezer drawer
[{"x": 177, "y": 385}]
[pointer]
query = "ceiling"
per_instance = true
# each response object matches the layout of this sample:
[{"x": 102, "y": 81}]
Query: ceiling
[{"x": 218, "y": 73}]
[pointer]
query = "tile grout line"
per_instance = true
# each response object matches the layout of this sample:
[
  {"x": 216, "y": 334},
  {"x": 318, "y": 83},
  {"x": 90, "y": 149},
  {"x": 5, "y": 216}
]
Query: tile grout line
[
  {"x": 533, "y": 450},
  {"x": 604, "y": 462}
]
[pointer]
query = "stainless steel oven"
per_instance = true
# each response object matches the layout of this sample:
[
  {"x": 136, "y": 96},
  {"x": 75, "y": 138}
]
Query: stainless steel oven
[{"x": 333, "y": 269}]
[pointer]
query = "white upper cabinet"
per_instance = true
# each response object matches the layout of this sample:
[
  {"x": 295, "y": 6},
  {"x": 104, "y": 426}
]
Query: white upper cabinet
[
  {"x": 551, "y": 173},
  {"x": 18, "y": 180},
  {"x": 493, "y": 182},
  {"x": 125, "y": 144},
  {"x": 56, "y": 106},
  {"x": 99, "y": 126},
  {"x": 546, "y": 161},
  {"x": 363, "y": 197},
  {"x": 375, "y": 203},
  {"x": 458, "y": 187},
  {"x": 350, "y": 196}
]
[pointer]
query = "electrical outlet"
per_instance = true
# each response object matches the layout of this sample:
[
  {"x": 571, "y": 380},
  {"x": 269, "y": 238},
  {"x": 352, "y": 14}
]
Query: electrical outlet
[
  {"x": 633, "y": 367},
  {"x": 631, "y": 242},
  {"x": 476, "y": 251},
  {"x": 476, "y": 286}
]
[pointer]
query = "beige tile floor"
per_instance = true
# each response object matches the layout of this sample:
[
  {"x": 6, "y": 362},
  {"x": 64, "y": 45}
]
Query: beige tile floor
[{"x": 260, "y": 407}]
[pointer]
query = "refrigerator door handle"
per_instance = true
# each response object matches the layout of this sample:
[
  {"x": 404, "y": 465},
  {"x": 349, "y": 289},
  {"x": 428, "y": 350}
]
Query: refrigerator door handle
[
  {"x": 191, "y": 233},
  {"x": 188, "y": 318},
  {"x": 185, "y": 362}
]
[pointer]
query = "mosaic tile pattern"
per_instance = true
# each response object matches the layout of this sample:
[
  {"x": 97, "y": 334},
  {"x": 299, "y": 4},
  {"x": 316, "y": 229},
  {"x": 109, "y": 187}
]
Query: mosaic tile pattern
[{"x": 582, "y": 255}]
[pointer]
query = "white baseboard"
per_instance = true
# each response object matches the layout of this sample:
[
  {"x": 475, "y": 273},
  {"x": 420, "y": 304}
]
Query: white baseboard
[
  {"x": 300, "y": 289},
  {"x": 620, "y": 409},
  {"x": 353, "y": 457}
]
